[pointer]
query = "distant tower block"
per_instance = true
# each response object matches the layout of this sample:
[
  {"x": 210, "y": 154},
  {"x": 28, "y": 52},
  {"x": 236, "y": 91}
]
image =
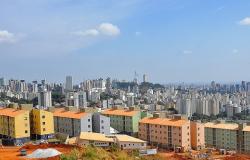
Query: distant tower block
[
  {"x": 145, "y": 78},
  {"x": 69, "y": 83}
]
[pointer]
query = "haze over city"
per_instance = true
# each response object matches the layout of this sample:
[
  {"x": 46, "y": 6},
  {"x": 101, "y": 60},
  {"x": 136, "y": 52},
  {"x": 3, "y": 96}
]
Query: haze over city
[{"x": 170, "y": 40}]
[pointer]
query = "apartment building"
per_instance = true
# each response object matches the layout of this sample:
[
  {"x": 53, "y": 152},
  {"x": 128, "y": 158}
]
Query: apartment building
[
  {"x": 100, "y": 123},
  {"x": 221, "y": 135},
  {"x": 166, "y": 133},
  {"x": 14, "y": 126},
  {"x": 244, "y": 138},
  {"x": 42, "y": 124},
  {"x": 72, "y": 122},
  {"x": 124, "y": 120},
  {"x": 197, "y": 132},
  {"x": 230, "y": 136}
]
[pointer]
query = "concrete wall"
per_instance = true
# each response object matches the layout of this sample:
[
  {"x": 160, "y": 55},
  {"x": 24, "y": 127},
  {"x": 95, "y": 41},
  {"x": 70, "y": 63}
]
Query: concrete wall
[{"x": 101, "y": 123}]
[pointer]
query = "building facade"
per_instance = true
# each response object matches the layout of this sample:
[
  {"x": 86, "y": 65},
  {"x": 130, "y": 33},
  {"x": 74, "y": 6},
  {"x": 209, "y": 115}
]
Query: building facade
[
  {"x": 124, "y": 120},
  {"x": 72, "y": 123},
  {"x": 166, "y": 133},
  {"x": 14, "y": 126},
  {"x": 221, "y": 135},
  {"x": 42, "y": 124},
  {"x": 101, "y": 123}
]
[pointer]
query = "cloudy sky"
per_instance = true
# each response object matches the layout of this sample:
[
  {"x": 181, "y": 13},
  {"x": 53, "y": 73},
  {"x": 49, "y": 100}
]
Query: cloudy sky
[{"x": 169, "y": 40}]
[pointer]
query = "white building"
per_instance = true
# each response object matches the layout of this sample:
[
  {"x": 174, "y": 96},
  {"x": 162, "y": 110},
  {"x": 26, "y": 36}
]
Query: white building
[
  {"x": 44, "y": 98},
  {"x": 69, "y": 83}
]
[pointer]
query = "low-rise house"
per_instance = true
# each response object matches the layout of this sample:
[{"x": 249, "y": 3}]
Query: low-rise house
[
  {"x": 128, "y": 142},
  {"x": 102, "y": 140},
  {"x": 96, "y": 139}
]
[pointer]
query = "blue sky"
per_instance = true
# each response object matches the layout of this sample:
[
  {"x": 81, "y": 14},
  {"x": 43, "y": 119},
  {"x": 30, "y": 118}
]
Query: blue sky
[{"x": 169, "y": 40}]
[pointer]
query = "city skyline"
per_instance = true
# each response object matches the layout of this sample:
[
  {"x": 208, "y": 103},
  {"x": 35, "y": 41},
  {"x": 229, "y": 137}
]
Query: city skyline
[{"x": 171, "y": 41}]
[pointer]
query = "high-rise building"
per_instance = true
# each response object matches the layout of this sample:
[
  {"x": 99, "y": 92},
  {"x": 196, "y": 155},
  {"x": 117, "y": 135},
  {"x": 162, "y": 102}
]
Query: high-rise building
[
  {"x": 71, "y": 99},
  {"x": 145, "y": 78},
  {"x": 69, "y": 83},
  {"x": 82, "y": 98},
  {"x": 2, "y": 82},
  {"x": 44, "y": 98}
]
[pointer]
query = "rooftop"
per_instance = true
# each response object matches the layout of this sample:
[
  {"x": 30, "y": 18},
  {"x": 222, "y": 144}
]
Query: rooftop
[
  {"x": 95, "y": 137},
  {"x": 229, "y": 126},
  {"x": 120, "y": 112},
  {"x": 246, "y": 129},
  {"x": 11, "y": 112},
  {"x": 164, "y": 121},
  {"x": 61, "y": 112},
  {"x": 126, "y": 138}
]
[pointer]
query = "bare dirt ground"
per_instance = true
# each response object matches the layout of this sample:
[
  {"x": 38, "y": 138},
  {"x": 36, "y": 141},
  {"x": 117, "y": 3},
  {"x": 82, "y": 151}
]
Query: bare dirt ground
[{"x": 13, "y": 153}]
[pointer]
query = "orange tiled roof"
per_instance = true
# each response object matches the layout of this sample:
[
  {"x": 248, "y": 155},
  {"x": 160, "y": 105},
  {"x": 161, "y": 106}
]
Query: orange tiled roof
[
  {"x": 229, "y": 126},
  {"x": 120, "y": 112},
  {"x": 246, "y": 129},
  {"x": 164, "y": 121},
  {"x": 11, "y": 112},
  {"x": 68, "y": 114}
]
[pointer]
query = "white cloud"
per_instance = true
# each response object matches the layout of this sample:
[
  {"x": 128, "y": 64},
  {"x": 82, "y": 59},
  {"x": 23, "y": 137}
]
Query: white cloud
[
  {"x": 235, "y": 51},
  {"x": 89, "y": 32},
  {"x": 137, "y": 33},
  {"x": 245, "y": 21},
  {"x": 187, "y": 52},
  {"x": 7, "y": 37},
  {"x": 109, "y": 29},
  {"x": 106, "y": 29}
]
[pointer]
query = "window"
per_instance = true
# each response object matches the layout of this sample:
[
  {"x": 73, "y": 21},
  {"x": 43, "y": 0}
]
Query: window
[
  {"x": 88, "y": 126},
  {"x": 43, "y": 116},
  {"x": 102, "y": 121},
  {"x": 26, "y": 131},
  {"x": 44, "y": 129},
  {"x": 43, "y": 123},
  {"x": 25, "y": 118},
  {"x": 88, "y": 120}
]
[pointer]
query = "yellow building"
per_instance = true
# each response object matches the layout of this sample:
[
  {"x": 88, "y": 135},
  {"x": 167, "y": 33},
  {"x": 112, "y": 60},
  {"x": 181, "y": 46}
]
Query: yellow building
[
  {"x": 14, "y": 126},
  {"x": 42, "y": 124}
]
